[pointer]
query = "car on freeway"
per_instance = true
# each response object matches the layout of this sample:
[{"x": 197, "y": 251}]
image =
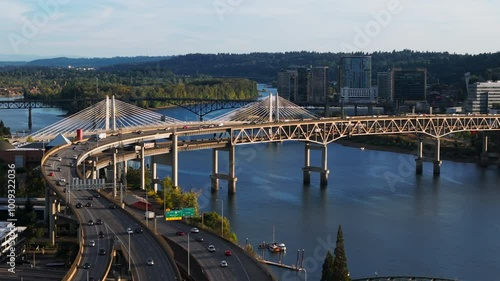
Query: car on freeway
[
  {"x": 59, "y": 159},
  {"x": 129, "y": 230},
  {"x": 139, "y": 230},
  {"x": 150, "y": 262},
  {"x": 99, "y": 222},
  {"x": 180, "y": 233},
  {"x": 51, "y": 174},
  {"x": 75, "y": 157},
  {"x": 195, "y": 230},
  {"x": 97, "y": 195},
  {"x": 112, "y": 206},
  {"x": 102, "y": 251},
  {"x": 88, "y": 204},
  {"x": 79, "y": 205},
  {"x": 62, "y": 180},
  {"x": 199, "y": 239},
  {"x": 90, "y": 198},
  {"x": 92, "y": 243},
  {"x": 101, "y": 234},
  {"x": 86, "y": 265},
  {"x": 91, "y": 222},
  {"x": 223, "y": 264},
  {"x": 58, "y": 169},
  {"x": 228, "y": 253},
  {"x": 211, "y": 248}
]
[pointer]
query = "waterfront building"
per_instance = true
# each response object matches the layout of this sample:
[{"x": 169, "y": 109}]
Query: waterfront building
[
  {"x": 384, "y": 86},
  {"x": 301, "y": 84},
  {"x": 355, "y": 72},
  {"x": 482, "y": 96},
  {"x": 408, "y": 85}
]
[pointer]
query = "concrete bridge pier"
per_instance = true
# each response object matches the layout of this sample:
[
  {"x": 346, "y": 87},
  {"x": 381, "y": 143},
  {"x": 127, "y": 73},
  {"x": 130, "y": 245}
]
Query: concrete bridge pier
[
  {"x": 484, "y": 153},
  {"x": 437, "y": 158},
  {"x": 419, "y": 161},
  {"x": 174, "y": 153},
  {"x": 52, "y": 206},
  {"x": 216, "y": 176},
  {"x": 323, "y": 170},
  {"x": 115, "y": 176},
  {"x": 30, "y": 118},
  {"x": 143, "y": 169}
]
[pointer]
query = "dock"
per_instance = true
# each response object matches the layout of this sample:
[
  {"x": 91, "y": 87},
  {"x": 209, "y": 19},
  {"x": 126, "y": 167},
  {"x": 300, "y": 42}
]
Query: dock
[{"x": 291, "y": 267}]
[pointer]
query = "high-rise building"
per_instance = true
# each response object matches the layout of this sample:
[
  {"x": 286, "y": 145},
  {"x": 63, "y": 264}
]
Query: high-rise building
[
  {"x": 303, "y": 84},
  {"x": 287, "y": 84},
  {"x": 355, "y": 72},
  {"x": 409, "y": 84},
  {"x": 482, "y": 96},
  {"x": 384, "y": 86},
  {"x": 318, "y": 84},
  {"x": 355, "y": 79}
]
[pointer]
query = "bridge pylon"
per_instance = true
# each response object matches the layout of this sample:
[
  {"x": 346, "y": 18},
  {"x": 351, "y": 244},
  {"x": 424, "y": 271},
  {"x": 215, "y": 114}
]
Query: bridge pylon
[{"x": 323, "y": 170}]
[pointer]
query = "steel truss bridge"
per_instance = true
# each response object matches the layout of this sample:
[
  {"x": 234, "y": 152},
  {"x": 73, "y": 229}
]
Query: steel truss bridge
[{"x": 316, "y": 134}]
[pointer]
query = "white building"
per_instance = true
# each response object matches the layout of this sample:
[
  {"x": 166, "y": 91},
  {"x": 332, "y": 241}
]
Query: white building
[
  {"x": 482, "y": 96},
  {"x": 353, "y": 95}
]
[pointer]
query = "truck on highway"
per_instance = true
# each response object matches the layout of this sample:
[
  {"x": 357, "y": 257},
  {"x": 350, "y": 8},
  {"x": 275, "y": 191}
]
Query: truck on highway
[
  {"x": 101, "y": 136},
  {"x": 149, "y": 215}
]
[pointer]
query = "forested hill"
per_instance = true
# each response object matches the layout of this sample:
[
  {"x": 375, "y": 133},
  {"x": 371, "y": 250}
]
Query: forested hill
[
  {"x": 263, "y": 67},
  {"x": 93, "y": 62}
]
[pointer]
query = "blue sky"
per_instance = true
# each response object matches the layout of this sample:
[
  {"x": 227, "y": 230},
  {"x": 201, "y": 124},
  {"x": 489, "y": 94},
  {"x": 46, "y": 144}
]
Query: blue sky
[{"x": 106, "y": 28}]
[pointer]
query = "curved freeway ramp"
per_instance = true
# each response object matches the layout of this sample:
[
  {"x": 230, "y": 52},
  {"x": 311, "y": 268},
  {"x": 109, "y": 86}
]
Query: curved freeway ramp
[{"x": 93, "y": 261}]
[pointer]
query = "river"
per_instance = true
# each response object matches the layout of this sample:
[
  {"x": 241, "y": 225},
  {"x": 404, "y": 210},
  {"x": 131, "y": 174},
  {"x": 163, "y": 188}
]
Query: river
[{"x": 394, "y": 222}]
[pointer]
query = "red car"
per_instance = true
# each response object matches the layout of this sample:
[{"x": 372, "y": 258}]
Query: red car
[
  {"x": 180, "y": 233},
  {"x": 228, "y": 253},
  {"x": 51, "y": 174}
]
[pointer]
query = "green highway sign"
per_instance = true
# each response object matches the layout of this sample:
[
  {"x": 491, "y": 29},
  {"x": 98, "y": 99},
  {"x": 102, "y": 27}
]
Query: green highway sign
[
  {"x": 188, "y": 212},
  {"x": 171, "y": 215}
]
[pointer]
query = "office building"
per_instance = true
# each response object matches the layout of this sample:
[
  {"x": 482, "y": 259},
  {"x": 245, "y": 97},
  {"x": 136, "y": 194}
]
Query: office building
[
  {"x": 482, "y": 96},
  {"x": 355, "y": 72},
  {"x": 303, "y": 84},
  {"x": 318, "y": 84},
  {"x": 384, "y": 86},
  {"x": 408, "y": 85},
  {"x": 287, "y": 84}
]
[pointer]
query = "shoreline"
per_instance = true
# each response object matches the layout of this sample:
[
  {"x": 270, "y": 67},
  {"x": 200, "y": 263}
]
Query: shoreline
[{"x": 348, "y": 143}]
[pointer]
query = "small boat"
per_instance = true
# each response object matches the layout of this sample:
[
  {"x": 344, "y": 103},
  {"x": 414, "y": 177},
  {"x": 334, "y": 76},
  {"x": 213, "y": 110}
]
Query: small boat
[
  {"x": 282, "y": 247},
  {"x": 362, "y": 148}
]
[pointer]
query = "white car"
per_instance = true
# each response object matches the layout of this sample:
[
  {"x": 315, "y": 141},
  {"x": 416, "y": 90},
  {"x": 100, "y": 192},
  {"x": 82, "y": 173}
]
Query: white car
[
  {"x": 223, "y": 264},
  {"x": 211, "y": 248},
  {"x": 129, "y": 230},
  {"x": 195, "y": 230},
  {"x": 59, "y": 159},
  {"x": 62, "y": 180}
]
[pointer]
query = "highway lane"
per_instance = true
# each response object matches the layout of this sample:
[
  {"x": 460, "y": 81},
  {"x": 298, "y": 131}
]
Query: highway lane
[
  {"x": 114, "y": 226},
  {"x": 240, "y": 266}
]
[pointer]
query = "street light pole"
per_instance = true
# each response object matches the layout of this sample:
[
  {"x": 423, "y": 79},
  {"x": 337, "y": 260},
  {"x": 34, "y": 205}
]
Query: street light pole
[
  {"x": 189, "y": 263},
  {"x": 305, "y": 274}
]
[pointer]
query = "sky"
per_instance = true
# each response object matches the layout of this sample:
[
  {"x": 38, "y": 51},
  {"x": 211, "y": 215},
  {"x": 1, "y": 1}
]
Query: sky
[{"x": 108, "y": 28}]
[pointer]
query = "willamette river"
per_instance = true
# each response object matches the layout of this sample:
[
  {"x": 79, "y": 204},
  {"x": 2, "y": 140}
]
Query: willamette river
[{"x": 394, "y": 222}]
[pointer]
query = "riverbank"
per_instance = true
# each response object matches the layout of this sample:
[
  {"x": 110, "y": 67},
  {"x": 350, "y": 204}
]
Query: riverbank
[{"x": 451, "y": 150}]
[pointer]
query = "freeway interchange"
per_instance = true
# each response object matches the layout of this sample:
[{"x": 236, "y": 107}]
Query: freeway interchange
[{"x": 96, "y": 259}]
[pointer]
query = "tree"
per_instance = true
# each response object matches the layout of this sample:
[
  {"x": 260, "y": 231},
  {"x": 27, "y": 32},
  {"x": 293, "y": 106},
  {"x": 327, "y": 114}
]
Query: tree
[
  {"x": 340, "y": 271},
  {"x": 328, "y": 266}
]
